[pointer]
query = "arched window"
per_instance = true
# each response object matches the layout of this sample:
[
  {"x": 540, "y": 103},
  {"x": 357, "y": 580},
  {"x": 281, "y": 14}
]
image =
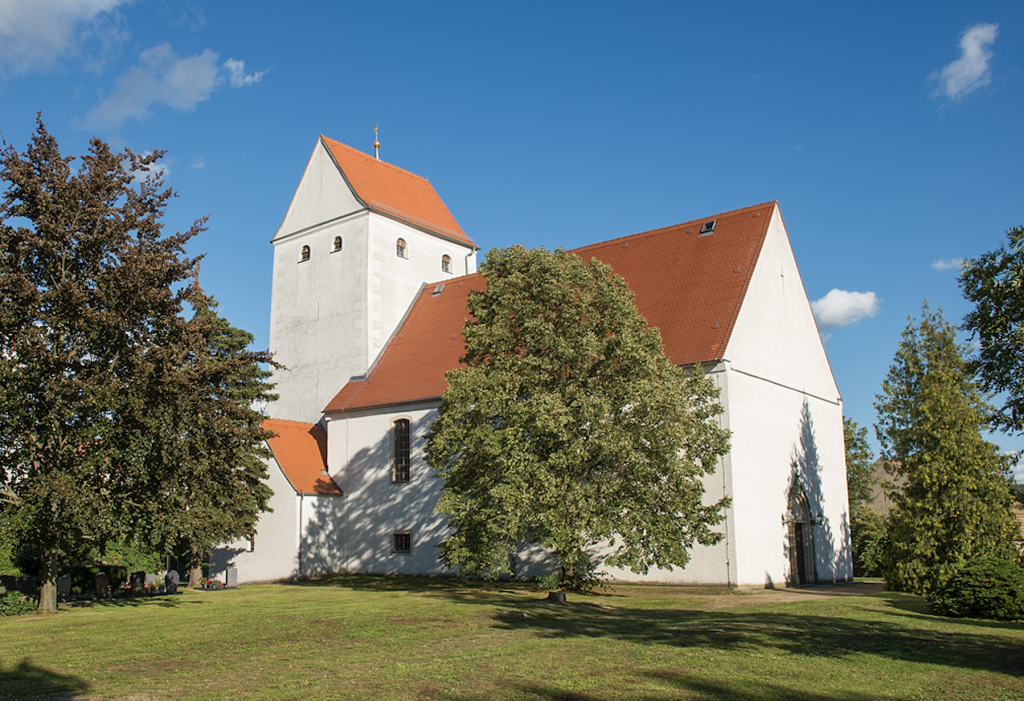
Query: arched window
[
  {"x": 305, "y": 254},
  {"x": 337, "y": 243},
  {"x": 446, "y": 263},
  {"x": 400, "y": 437},
  {"x": 400, "y": 248}
]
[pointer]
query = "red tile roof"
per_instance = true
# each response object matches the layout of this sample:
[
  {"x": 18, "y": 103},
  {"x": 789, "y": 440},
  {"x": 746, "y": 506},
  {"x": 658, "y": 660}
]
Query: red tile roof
[
  {"x": 301, "y": 451},
  {"x": 687, "y": 285},
  {"x": 427, "y": 345},
  {"x": 394, "y": 191}
]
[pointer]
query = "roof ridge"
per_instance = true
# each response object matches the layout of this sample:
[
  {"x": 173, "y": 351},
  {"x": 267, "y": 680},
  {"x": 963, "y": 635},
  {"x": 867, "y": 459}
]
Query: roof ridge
[
  {"x": 660, "y": 230},
  {"x": 291, "y": 421},
  {"x": 369, "y": 157}
]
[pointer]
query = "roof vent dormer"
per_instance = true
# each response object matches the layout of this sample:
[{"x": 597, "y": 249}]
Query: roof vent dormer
[{"x": 707, "y": 227}]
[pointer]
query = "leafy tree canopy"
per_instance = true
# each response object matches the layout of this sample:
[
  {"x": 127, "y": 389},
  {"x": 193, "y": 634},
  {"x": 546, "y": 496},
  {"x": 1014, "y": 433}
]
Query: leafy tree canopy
[
  {"x": 569, "y": 428},
  {"x": 955, "y": 504},
  {"x": 210, "y": 437},
  {"x": 866, "y": 527},
  {"x": 994, "y": 283},
  {"x": 859, "y": 461},
  {"x": 96, "y": 352}
]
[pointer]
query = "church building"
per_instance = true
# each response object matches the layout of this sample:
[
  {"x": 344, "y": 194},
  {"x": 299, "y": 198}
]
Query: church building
[{"x": 371, "y": 279}]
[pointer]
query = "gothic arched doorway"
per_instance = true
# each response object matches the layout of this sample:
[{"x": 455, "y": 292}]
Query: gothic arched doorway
[{"x": 802, "y": 567}]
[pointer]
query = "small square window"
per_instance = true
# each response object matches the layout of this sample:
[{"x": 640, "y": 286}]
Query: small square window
[
  {"x": 707, "y": 227},
  {"x": 401, "y": 543}
]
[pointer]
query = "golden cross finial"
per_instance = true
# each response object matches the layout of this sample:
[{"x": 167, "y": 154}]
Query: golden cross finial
[{"x": 376, "y": 143}]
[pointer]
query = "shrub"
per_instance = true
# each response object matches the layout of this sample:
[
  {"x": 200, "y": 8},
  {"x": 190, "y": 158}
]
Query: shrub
[
  {"x": 985, "y": 587},
  {"x": 14, "y": 604},
  {"x": 867, "y": 539}
]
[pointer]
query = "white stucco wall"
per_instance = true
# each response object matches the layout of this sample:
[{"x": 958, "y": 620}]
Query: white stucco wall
[
  {"x": 394, "y": 282},
  {"x": 785, "y": 413},
  {"x": 332, "y": 314},
  {"x": 303, "y": 535},
  {"x": 273, "y": 555},
  {"x": 359, "y": 457}
]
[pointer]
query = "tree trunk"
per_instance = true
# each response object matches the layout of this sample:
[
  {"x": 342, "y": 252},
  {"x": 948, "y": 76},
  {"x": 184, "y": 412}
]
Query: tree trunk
[
  {"x": 48, "y": 588},
  {"x": 195, "y": 569}
]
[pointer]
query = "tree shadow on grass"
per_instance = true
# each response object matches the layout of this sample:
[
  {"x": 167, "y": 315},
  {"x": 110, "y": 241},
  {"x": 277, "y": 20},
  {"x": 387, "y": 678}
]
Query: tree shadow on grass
[
  {"x": 477, "y": 591},
  {"x": 693, "y": 687},
  {"x": 798, "y": 634},
  {"x": 904, "y": 631},
  {"x": 169, "y": 601},
  {"x": 26, "y": 681}
]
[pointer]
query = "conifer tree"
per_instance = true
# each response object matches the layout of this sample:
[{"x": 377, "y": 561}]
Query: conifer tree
[
  {"x": 209, "y": 440},
  {"x": 955, "y": 504},
  {"x": 90, "y": 289},
  {"x": 570, "y": 429}
]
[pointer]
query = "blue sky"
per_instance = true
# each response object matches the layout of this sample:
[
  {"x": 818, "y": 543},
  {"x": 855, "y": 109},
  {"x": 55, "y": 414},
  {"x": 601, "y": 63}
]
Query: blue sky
[{"x": 889, "y": 132}]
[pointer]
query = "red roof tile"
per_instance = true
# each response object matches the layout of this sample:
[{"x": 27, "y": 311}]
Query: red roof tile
[
  {"x": 428, "y": 345},
  {"x": 687, "y": 285},
  {"x": 392, "y": 190},
  {"x": 301, "y": 451}
]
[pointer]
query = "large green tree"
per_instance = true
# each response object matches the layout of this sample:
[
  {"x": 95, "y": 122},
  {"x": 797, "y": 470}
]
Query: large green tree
[
  {"x": 209, "y": 440},
  {"x": 994, "y": 283},
  {"x": 955, "y": 503},
  {"x": 90, "y": 289},
  {"x": 570, "y": 429}
]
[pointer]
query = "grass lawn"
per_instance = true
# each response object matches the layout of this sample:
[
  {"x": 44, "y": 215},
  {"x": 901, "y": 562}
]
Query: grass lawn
[{"x": 359, "y": 637}]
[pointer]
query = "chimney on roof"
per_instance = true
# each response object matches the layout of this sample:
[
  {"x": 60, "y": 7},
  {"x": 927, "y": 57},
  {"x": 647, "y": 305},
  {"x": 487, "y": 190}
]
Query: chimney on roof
[{"x": 376, "y": 144}]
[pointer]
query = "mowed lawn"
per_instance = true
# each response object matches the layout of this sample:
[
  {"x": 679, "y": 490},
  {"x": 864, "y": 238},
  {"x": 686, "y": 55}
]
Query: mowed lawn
[{"x": 358, "y": 637}]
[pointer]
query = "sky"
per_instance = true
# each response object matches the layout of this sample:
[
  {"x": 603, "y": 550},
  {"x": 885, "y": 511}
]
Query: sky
[{"x": 890, "y": 133}]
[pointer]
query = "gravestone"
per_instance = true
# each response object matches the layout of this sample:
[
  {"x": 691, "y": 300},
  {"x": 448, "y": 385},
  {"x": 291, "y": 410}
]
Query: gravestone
[
  {"x": 171, "y": 582},
  {"x": 102, "y": 585},
  {"x": 27, "y": 585},
  {"x": 8, "y": 582},
  {"x": 138, "y": 583},
  {"x": 231, "y": 578},
  {"x": 150, "y": 582},
  {"x": 63, "y": 588}
]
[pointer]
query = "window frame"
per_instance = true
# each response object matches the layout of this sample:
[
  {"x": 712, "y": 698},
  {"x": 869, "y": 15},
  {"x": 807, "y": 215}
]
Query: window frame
[
  {"x": 402, "y": 249},
  {"x": 305, "y": 254},
  {"x": 401, "y": 451},
  {"x": 395, "y": 535},
  {"x": 338, "y": 244},
  {"x": 446, "y": 263}
]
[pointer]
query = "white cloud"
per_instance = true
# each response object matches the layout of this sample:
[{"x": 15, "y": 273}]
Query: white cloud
[
  {"x": 942, "y": 264},
  {"x": 971, "y": 71},
  {"x": 237, "y": 76},
  {"x": 840, "y": 308},
  {"x": 198, "y": 163},
  {"x": 35, "y": 34},
  {"x": 162, "y": 77}
]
